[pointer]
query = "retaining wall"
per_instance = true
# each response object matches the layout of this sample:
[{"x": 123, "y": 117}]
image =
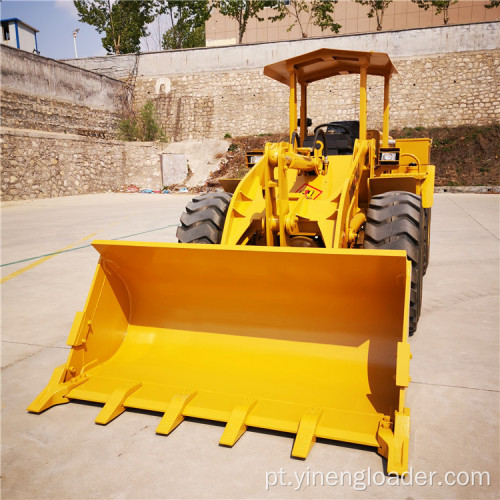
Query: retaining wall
[
  {"x": 447, "y": 76},
  {"x": 440, "y": 90},
  {"x": 43, "y": 94},
  {"x": 39, "y": 164}
]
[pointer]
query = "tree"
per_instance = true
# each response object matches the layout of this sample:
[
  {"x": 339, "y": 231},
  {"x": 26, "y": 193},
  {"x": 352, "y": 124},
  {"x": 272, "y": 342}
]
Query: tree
[
  {"x": 242, "y": 11},
  {"x": 123, "y": 22},
  {"x": 493, "y": 3},
  {"x": 183, "y": 36},
  {"x": 439, "y": 5},
  {"x": 304, "y": 13},
  {"x": 142, "y": 126},
  {"x": 187, "y": 23},
  {"x": 377, "y": 8}
]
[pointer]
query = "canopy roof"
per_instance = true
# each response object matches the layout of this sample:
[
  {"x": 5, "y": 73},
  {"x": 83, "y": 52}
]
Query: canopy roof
[{"x": 324, "y": 63}]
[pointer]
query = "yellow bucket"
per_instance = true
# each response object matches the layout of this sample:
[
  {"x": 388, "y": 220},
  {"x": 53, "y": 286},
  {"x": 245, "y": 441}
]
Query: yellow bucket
[{"x": 311, "y": 342}]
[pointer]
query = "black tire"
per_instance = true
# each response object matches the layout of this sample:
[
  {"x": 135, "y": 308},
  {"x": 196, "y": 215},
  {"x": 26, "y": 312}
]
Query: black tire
[
  {"x": 427, "y": 237},
  {"x": 395, "y": 221},
  {"x": 204, "y": 218}
]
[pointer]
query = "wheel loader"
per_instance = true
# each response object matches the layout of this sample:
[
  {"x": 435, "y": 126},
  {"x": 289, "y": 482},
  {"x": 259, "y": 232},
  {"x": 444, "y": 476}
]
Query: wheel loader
[{"x": 287, "y": 304}]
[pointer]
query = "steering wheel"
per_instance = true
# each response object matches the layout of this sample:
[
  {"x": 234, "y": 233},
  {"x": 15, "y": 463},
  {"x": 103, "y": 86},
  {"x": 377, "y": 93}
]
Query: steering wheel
[{"x": 343, "y": 128}]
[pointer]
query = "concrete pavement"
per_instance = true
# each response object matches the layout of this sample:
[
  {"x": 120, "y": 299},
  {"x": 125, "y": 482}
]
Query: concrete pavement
[{"x": 63, "y": 454}]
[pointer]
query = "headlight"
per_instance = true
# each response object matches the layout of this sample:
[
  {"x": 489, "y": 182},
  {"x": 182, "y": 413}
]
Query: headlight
[
  {"x": 255, "y": 159},
  {"x": 389, "y": 156}
]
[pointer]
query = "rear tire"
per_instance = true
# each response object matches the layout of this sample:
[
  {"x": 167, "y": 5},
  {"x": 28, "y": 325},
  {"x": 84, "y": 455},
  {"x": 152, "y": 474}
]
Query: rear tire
[
  {"x": 204, "y": 218},
  {"x": 395, "y": 221}
]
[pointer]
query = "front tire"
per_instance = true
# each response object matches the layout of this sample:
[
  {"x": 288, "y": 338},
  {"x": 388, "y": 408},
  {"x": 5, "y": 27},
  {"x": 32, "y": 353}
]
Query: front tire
[
  {"x": 395, "y": 221},
  {"x": 204, "y": 218}
]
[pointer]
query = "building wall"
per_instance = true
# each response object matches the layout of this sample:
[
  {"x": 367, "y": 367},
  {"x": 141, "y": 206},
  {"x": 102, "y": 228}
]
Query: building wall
[
  {"x": 26, "y": 38},
  {"x": 12, "y": 41},
  {"x": 400, "y": 15}
]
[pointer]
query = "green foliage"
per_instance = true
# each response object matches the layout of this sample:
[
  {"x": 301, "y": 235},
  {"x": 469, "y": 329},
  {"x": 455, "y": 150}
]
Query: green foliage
[
  {"x": 123, "y": 22},
  {"x": 377, "y": 8},
  {"x": 227, "y": 135},
  {"x": 304, "y": 13},
  {"x": 142, "y": 127},
  {"x": 492, "y": 4},
  {"x": 233, "y": 147},
  {"x": 183, "y": 36},
  {"x": 439, "y": 5},
  {"x": 188, "y": 23},
  {"x": 323, "y": 15},
  {"x": 149, "y": 129},
  {"x": 128, "y": 129},
  {"x": 242, "y": 10}
]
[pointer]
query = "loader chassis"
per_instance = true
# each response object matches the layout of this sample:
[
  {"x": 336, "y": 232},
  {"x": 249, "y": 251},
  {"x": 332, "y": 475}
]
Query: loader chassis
[{"x": 287, "y": 304}]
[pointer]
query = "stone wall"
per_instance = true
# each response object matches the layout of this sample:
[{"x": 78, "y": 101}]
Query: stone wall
[
  {"x": 28, "y": 111},
  {"x": 59, "y": 125},
  {"x": 439, "y": 90},
  {"x": 43, "y": 94},
  {"x": 448, "y": 76},
  {"x": 42, "y": 164}
]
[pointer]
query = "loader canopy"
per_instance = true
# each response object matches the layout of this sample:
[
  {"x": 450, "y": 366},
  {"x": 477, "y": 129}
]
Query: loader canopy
[{"x": 326, "y": 63}]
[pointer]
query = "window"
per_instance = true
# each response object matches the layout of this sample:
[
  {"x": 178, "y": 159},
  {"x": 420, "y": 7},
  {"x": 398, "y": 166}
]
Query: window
[{"x": 5, "y": 31}]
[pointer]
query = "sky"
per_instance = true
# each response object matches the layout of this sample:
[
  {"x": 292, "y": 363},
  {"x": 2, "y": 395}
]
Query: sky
[{"x": 56, "y": 20}]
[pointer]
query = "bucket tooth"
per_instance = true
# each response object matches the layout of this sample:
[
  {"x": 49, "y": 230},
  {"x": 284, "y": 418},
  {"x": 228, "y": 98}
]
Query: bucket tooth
[
  {"x": 236, "y": 424},
  {"x": 394, "y": 445},
  {"x": 115, "y": 405},
  {"x": 306, "y": 434},
  {"x": 56, "y": 390},
  {"x": 173, "y": 416}
]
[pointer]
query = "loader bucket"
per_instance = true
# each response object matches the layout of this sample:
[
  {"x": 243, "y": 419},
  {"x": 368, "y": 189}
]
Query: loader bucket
[{"x": 310, "y": 342}]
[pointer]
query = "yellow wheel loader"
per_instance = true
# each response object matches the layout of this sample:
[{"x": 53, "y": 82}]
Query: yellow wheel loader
[{"x": 287, "y": 304}]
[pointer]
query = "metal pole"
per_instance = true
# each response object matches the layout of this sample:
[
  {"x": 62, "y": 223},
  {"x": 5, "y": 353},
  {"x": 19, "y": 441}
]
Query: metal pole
[
  {"x": 293, "y": 103},
  {"x": 385, "y": 130},
  {"x": 74, "y": 41},
  {"x": 362, "y": 101},
  {"x": 303, "y": 112}
]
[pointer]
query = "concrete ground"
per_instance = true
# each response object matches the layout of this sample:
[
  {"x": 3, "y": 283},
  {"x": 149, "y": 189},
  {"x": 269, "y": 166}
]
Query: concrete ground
[{"x": 61, "y": 453}]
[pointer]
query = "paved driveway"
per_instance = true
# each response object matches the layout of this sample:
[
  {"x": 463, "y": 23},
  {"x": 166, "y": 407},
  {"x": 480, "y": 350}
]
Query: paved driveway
[{"x": 61, "y": 453}]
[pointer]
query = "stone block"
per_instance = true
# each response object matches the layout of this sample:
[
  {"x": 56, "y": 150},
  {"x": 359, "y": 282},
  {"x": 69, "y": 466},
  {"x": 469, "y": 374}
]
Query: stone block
[{"x": 174, "y": 168}]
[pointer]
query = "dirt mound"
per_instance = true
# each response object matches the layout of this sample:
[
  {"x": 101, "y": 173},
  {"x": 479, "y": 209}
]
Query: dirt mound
[
  {"x": 464, "y": 156},
  {"x": 233, "y": 162}
]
